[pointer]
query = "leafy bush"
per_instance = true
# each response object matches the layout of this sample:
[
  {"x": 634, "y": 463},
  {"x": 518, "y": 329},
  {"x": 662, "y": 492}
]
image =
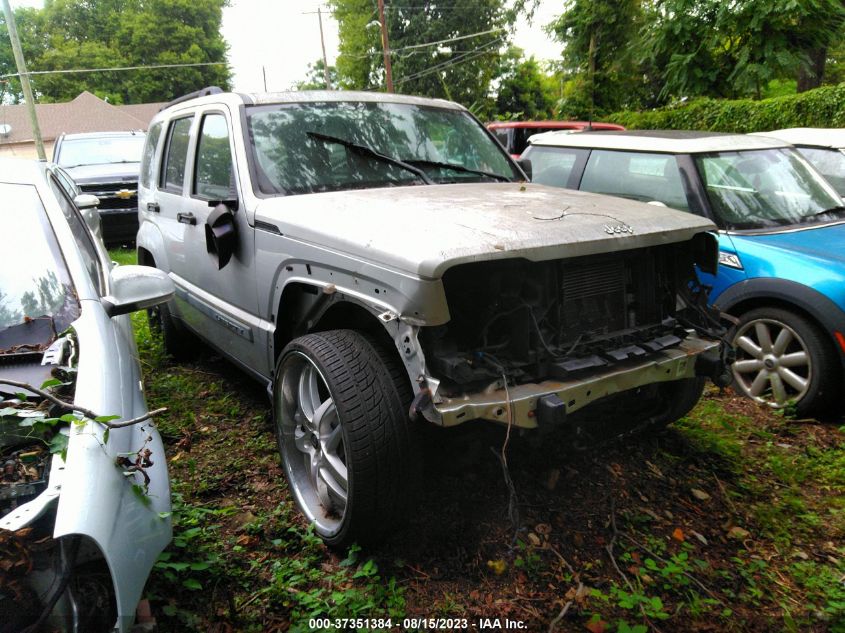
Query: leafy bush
[{"x": 822, "y": 107}]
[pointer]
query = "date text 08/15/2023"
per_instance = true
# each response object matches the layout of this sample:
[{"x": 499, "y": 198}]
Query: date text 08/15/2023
[{"x": 417, "y": 624}]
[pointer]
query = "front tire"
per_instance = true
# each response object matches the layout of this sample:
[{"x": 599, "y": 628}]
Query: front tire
[
  {"x": 783, "y": 359},
  {"x": 340, "y": 412}
]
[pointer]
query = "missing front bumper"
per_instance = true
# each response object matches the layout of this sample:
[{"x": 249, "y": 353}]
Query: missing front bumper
[{"x": 664, "y": 366}]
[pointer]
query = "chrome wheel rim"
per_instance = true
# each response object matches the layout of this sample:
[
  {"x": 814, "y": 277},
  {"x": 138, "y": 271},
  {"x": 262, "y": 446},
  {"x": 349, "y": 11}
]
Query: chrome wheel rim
[
  {"x": 773, "y": 365},
  {"x": 311, "y": 443}
]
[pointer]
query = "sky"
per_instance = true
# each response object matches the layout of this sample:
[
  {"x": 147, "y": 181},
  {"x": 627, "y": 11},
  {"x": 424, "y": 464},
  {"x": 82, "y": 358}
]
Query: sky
[
  {"x": 277, "y": 39},
  {"x": 283, "y": 36}
]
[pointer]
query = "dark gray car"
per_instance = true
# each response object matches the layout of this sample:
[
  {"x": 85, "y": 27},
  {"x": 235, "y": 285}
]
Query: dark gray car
[{"x": 105, "y": 164}]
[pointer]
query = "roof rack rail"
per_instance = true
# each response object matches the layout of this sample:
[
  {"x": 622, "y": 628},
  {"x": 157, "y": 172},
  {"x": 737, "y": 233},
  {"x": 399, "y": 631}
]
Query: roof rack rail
[{"x": 210, "y": 90}]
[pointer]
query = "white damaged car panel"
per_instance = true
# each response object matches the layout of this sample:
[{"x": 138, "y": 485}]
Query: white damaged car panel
[{"x": 100, "y": 511}]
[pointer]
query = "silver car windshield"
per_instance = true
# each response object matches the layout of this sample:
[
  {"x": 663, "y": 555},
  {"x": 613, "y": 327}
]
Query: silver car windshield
[
  {"x": 37, "y": 298},
  {"x": 332, "y": 146},
  {"x": 103, "y": 150},
  {"x": 766, "y": 188}
]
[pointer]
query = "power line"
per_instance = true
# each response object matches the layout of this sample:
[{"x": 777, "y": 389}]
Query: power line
[
  {"x": 478, "y": 52},
  {"x": 415, "y": 47},
  {"x": 102, "y": 70},
  {"x": 451, "y": 39}
]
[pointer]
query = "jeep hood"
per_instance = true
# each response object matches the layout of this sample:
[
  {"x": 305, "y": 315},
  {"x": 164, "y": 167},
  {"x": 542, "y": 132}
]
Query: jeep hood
[{"x": 427, "y": 229}]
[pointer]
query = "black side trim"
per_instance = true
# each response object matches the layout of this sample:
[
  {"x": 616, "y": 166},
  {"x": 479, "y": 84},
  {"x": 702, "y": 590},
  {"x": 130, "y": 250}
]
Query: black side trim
[
  {"x": 266, "y": 226},
  {"x": 823, "y": 310}
]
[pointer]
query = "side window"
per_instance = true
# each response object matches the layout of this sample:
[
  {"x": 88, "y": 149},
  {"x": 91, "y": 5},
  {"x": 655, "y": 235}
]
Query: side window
[
  {"x": 553, "y": 165},
  {"x": 173, "y": 173},
  {"x": 148, "y": 157},
  {"x": 80, "y": 234},
  {"x": 213, "y": 175},
  {"x": 502, "y": 136},
  {"x": 636, "y": 175}
]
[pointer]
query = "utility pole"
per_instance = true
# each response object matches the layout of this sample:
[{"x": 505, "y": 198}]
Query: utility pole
[
  {"x": 27, "y": 89},
  {"x": 323, "y": 45},
  {"x": 388, "y": 70}
]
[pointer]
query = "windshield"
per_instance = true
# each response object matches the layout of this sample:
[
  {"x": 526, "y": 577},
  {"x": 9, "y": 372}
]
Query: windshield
[
  {"x": 315, "y": 147},
  {"x": 37, "y": 299},
  {"x": 101, "y": 150},
  {"x": 831, "y": 164},
  {"x": 765, "y": 189}
]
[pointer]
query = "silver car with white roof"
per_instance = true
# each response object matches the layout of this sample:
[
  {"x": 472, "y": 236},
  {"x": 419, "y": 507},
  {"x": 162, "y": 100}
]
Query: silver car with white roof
[{"x": 379, "y": 262}]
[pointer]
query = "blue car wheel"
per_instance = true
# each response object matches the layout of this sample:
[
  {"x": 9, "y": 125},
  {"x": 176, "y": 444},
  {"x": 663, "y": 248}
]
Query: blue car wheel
[{"x": 782, "y": 359}]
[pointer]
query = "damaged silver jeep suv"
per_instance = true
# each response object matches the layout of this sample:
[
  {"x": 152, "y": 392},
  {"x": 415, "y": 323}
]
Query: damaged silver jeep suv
[{"x": 379, "y": 260}]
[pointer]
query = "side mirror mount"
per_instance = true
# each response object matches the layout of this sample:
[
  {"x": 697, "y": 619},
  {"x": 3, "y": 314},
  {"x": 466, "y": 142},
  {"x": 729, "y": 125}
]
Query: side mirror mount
[
  {"x": 525, "y": 165},
  {"x": 86, "y": 201},
  {"x": 135, "y": 288},
  {"x": 221, "y": 234}
]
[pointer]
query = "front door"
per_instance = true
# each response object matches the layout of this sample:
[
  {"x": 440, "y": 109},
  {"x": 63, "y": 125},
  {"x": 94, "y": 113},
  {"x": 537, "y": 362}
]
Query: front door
[{"x": 222, "y": 301}]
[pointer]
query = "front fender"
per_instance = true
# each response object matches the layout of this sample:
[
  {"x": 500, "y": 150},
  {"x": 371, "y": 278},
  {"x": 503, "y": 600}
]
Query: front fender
[
  {"x": 97, "y": 500},
  {"x": 761, "y": 289}
]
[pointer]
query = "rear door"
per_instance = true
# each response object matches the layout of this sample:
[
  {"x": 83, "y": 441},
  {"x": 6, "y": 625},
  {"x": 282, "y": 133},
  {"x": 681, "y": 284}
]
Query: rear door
[{"x": 171, "y": 196}]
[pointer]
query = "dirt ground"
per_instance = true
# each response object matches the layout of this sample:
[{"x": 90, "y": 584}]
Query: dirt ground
[{"x": 720, "y": 523}]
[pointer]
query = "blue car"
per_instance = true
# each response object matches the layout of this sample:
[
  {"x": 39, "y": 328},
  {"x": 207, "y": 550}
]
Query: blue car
[{"x": 781, "y": 277}]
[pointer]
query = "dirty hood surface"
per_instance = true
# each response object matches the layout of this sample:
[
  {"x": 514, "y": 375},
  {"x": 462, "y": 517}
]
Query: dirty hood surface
[{"x": 425, "y": 230}]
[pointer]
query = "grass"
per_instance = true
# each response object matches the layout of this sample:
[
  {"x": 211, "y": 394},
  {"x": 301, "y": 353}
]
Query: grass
[{"x": 617, "y": 535}]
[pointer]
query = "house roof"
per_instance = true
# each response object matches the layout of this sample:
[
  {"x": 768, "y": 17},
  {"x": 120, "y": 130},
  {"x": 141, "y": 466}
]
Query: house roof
[{"x": 86, "y": 113}]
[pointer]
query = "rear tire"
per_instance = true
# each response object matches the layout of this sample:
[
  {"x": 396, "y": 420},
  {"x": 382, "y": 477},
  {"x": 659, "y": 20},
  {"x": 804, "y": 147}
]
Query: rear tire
[
  {"x": 340, "y": 408},
  {"x": 178, "y": 341}
]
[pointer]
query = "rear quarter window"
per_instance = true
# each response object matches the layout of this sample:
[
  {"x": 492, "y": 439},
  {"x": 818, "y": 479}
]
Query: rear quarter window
[
  {"x": 176, "y": 155},
  {"x": 553, "y": 166},
  {"x": 148, "y": 157}
]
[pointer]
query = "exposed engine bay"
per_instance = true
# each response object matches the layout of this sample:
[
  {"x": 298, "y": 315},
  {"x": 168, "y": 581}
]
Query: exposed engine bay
[
  {"x": 57, "y": 583},
  {"x": 562, "y": 319}
]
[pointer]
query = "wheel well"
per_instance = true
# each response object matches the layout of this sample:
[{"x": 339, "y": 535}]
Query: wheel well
[
  {"x": 770, "y": 302},
  {"x": 145, "y": 257},
  {"x": 340, "y": 315}
]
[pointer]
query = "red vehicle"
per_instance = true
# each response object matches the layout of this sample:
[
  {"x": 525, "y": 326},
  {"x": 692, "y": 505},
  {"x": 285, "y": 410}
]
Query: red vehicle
[{"x": 513, "y": 135}]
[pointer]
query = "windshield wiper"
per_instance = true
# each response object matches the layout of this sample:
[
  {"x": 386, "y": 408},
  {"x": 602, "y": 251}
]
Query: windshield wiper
[
  {"x": 369, "y": 151},
  {"x": 109, "y": 162},
  {"x": 461, "y": 168}
]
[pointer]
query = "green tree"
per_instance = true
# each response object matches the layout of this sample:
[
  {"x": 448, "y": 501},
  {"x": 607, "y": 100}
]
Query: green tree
[
  {"x": 460, "y": 69},
  {"x": 73, "y": 34},
  {"x": 731, "y": 49},
  {"x": 30, "y": 29},
  {"x": 524, "y": 89},
  {"x": 600, "y": 39},
  {"x": 316, "y": 77}
]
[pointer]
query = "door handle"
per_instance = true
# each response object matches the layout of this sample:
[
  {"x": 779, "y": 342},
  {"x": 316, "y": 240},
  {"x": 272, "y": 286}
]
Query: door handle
[
  {"x": 186, "y": 218},
  {"x": 153, "y": 207}
]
